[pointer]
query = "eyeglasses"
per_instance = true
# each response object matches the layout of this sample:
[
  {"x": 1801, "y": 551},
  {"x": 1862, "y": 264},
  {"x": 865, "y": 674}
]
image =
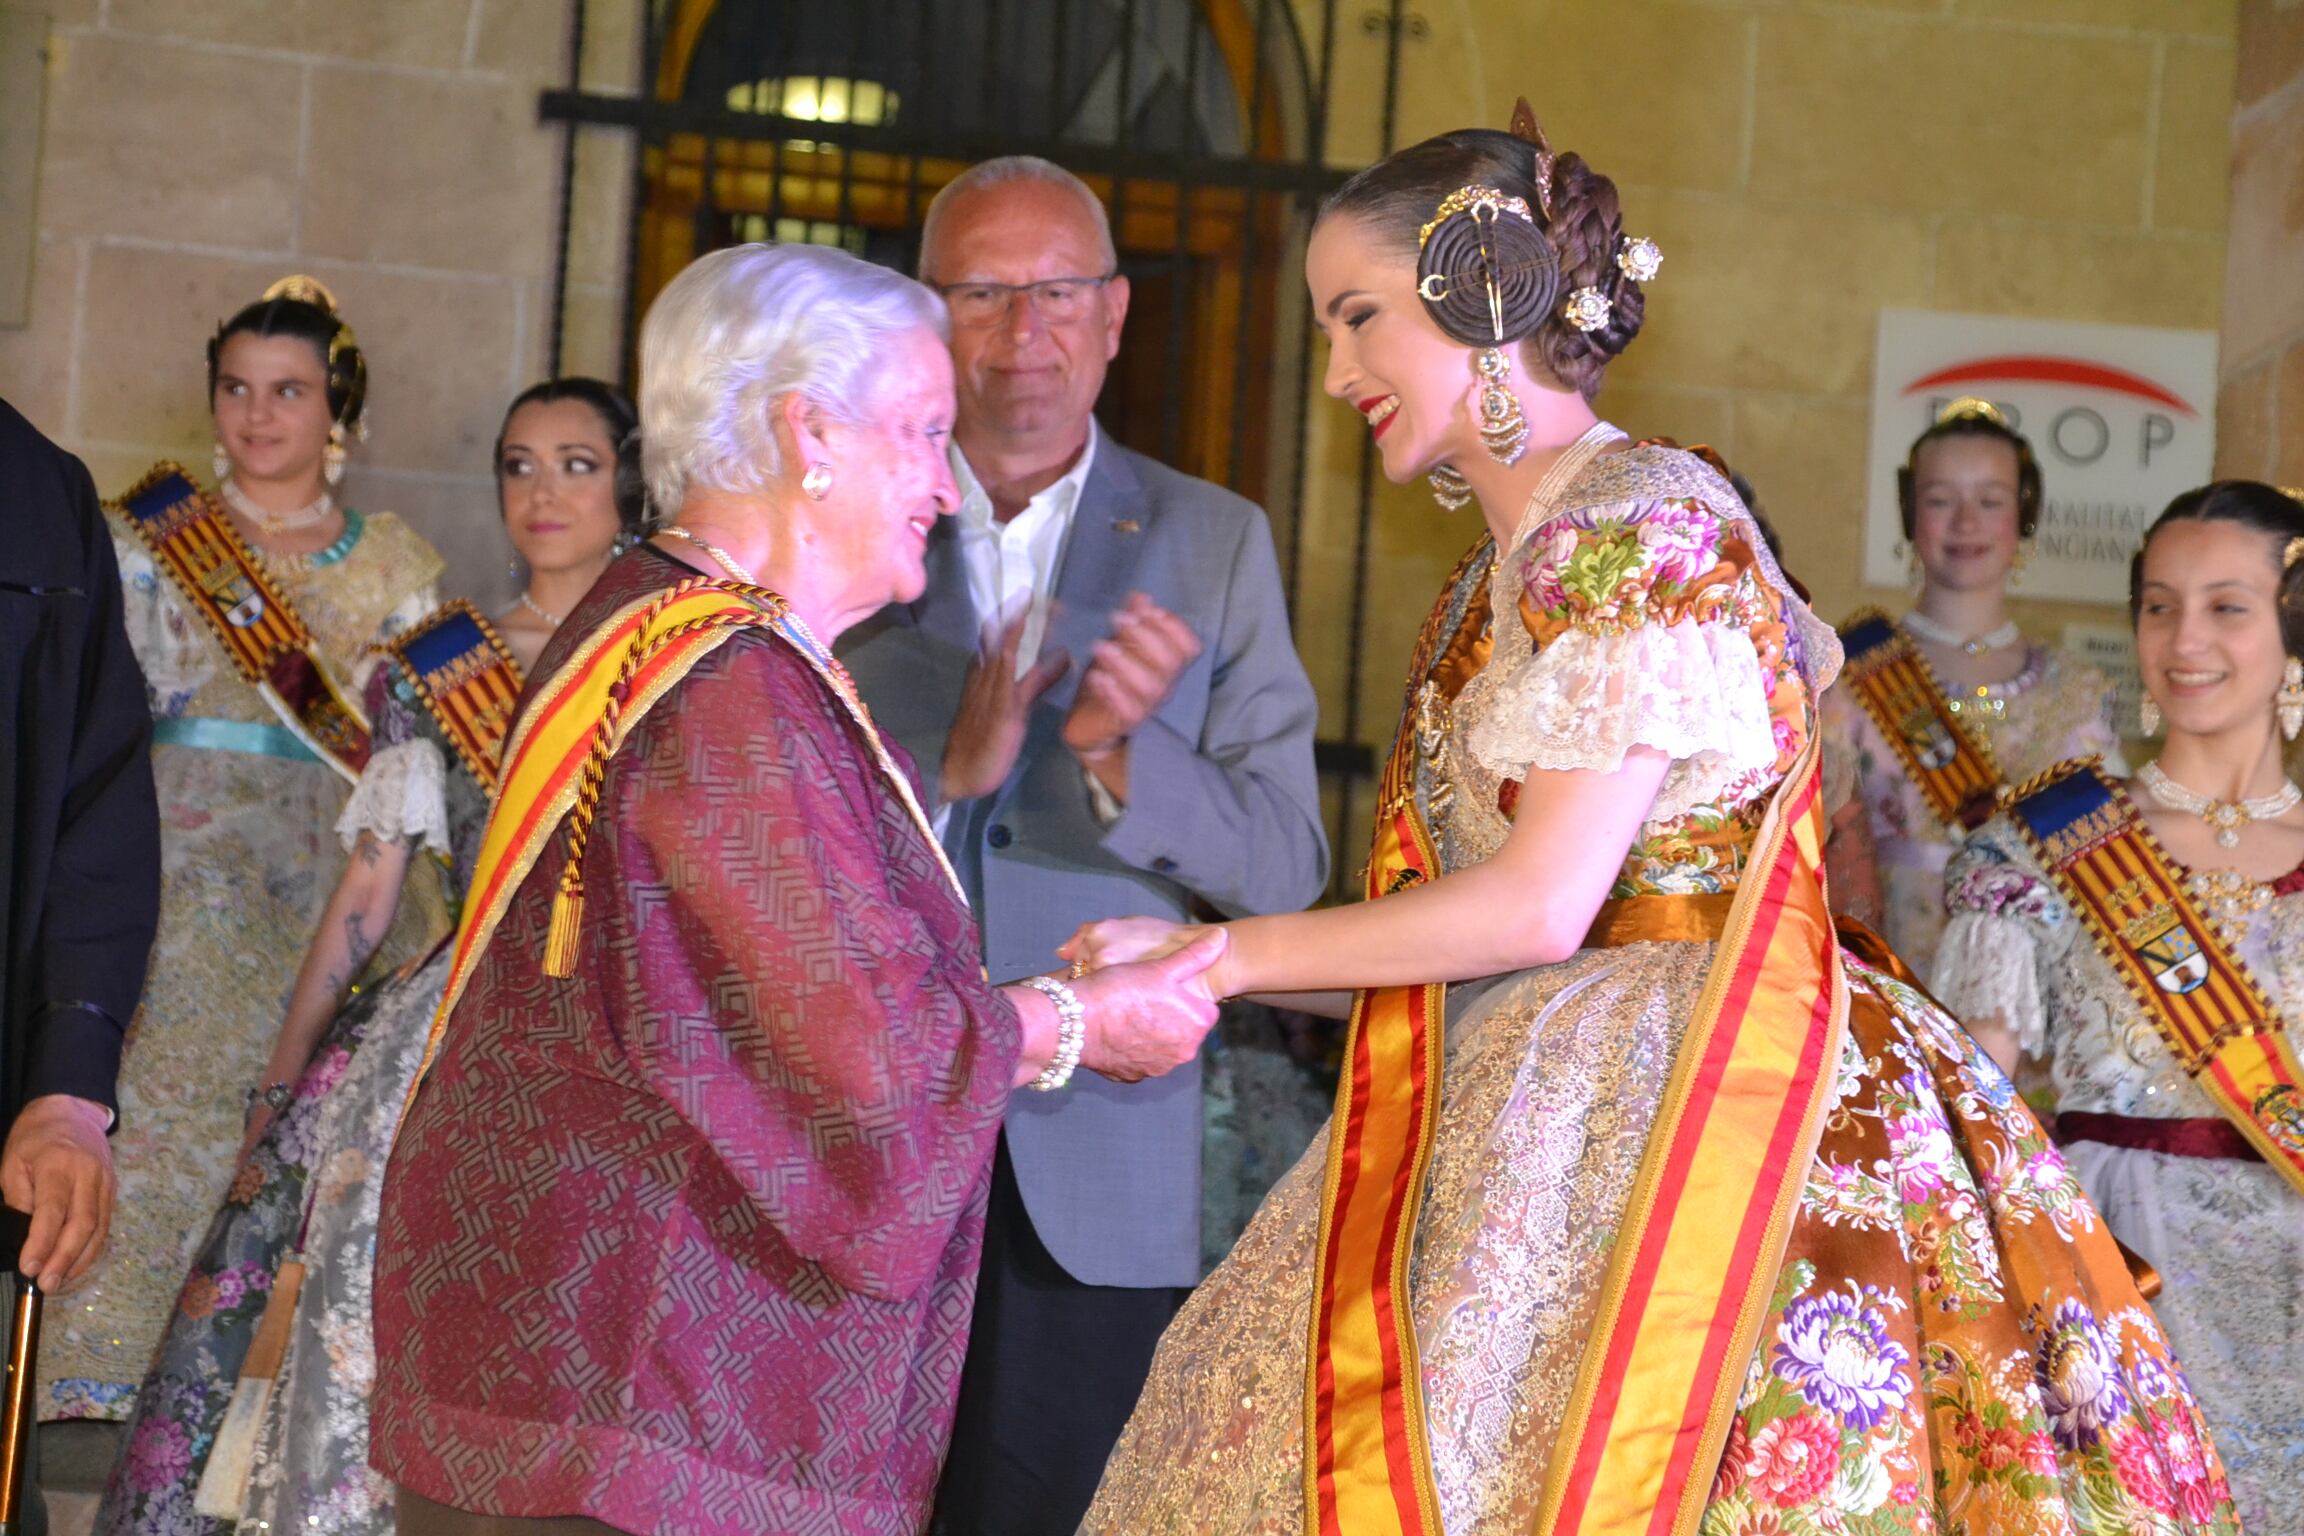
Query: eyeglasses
[{"x": 1056, "y": 300}]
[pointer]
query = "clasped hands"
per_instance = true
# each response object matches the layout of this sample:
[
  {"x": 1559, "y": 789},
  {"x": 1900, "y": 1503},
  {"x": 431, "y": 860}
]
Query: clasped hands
[
  {"x": 1130, "y": 674},
  {"x": 1148, "y": 1017}
]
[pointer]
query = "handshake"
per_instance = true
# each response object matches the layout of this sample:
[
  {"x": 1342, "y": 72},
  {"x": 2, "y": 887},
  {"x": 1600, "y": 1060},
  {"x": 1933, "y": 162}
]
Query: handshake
[{"x": 1148, "y": 991}]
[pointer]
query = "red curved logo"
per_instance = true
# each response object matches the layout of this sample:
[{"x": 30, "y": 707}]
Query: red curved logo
[{"x": 2049, "y": 370}]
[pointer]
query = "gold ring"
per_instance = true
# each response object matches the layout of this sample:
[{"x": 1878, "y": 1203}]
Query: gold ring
[{"x": 1079, "y": 969}]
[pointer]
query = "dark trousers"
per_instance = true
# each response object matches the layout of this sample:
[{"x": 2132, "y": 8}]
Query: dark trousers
[{"x": 1053, "y": 1370}]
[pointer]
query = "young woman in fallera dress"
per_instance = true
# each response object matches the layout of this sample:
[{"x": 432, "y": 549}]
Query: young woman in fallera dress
[
  {"x": 321, "y": 1119},
  {"x": 2206, "y": 1185},
  {"x": 247, "y": 799},
  {"x": 1898, "y": 1313},
  {"x": 1972, "y": 493}
]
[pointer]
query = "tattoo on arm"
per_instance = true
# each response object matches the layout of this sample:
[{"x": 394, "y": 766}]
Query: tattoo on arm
[
  {"x": 370, "y": 849},
  {"x": 357, "y": 946}
]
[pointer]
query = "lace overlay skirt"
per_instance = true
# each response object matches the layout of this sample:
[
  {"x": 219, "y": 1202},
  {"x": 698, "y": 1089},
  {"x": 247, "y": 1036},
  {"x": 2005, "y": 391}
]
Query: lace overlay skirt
[
  {"x": 1953, "y": 1342},
  {"x": 1551, "y": 1085}
]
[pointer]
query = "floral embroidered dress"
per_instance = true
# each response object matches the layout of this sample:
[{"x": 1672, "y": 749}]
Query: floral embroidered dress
[
  {"x": 2226, "y": 1233},
  {"x": 1953, "y": 1342},
  {"x": 247, "y": 864},
  {"x": 336, "y": 1129},
  {"x": 2057, "y": 707}
]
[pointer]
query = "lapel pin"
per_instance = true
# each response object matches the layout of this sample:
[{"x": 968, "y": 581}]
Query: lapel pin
[{"x": 1126, "y": 525}]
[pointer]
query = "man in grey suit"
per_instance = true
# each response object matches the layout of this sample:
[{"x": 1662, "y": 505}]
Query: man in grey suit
[{"x": 1104, "y": 701}]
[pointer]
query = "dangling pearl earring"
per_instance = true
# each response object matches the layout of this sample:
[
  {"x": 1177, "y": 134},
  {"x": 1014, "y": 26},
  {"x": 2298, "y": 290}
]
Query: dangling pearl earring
[
  {"x": 221, "y": 462},
  {"x": 2291, "y": 699},
  {"x": 2148, "y": 716},
  {"x": 332, "y": 456}
]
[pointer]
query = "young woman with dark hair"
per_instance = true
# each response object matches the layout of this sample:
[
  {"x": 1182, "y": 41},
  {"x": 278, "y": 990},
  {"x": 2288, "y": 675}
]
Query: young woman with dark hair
[
  {"x": 294, "y": 1449},
  {"x": 2163, "y": 999},
  {"x": 254, "y": 610},
  {"x": 1645, "y": 1205},
  {"x": 1971, "y": 493}
]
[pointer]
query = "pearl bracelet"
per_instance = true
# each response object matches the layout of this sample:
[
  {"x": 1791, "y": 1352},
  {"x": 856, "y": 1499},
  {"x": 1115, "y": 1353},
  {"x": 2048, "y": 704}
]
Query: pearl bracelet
[{"x": 1071, "y": 1032}]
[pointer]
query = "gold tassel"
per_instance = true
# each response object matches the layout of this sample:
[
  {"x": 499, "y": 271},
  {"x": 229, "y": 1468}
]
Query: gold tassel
[{"x": 567, "y": 918}]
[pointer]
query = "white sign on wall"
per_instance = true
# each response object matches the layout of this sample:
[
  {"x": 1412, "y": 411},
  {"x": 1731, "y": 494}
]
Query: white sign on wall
[{"x": 2121, "y": 417}]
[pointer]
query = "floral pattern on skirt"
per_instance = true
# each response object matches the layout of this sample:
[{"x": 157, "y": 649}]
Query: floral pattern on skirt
[{"x": 174, "y": 1417}]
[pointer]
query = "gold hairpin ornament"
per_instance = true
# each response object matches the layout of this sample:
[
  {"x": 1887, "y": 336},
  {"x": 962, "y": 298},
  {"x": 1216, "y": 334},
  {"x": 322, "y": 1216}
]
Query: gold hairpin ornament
[
  {"x": 1974, "y": 407},
  {"x": 1476, "y": 201},
  {"x": 2295, "y": 550}
]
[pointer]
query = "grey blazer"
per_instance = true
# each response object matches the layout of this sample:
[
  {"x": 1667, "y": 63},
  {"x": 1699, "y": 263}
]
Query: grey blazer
[{"x": 1223, "y": 805}]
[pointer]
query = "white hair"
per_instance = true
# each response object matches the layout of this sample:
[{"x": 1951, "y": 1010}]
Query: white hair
[
  {"x": 741, "y": 328},
  {"x": 1013, "y": 168}
]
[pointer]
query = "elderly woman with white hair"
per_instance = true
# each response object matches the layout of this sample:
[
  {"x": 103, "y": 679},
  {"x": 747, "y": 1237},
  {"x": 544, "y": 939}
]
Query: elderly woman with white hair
[{"x": 681, "y": 1230}]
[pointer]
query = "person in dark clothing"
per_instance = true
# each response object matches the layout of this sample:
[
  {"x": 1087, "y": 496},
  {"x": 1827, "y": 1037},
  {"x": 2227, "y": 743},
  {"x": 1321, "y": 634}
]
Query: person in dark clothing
[{"x": 80, "y": 842}]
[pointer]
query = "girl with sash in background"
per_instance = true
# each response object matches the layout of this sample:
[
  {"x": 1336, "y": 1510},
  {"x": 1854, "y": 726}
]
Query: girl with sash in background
[
  {"x": 2147, "y": 939},
  {"x": 253, "y": 609},
  {"x": 1644, "y": 1206},
  {"x": 286, "y": 1346},
  {"x": 1941, "y": 708}
]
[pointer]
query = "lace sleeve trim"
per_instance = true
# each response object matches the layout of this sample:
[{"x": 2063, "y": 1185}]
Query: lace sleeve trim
[
  {"x": 1987, "y": 967},
  {"x": 1693, "y": 691},
  {"x": 402, "y": 797}
]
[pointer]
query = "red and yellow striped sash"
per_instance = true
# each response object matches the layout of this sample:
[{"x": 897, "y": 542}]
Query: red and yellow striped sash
[
  {"x": 2192, "y": 985},
  {"x": 1705, "y": 1229},
  {"x": 1953, "y": 767},
  {"x": 1705, "y": 1233}
]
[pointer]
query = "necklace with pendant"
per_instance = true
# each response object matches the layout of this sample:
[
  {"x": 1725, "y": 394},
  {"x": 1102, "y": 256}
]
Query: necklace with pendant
[
  {"x": 1996, "y": 639},
  {"x": 275, "y": 522},
  {"x": 2227, "y": 817}
]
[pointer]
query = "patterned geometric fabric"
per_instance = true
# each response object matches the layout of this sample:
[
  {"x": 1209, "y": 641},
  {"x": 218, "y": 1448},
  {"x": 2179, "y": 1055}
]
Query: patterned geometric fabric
[{"x": 688, "y": 1240}]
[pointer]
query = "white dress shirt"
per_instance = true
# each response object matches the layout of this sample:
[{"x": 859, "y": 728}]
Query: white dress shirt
[
  {"x": 1011, "y": 569},
  {"x": 1011, "y": 566}
]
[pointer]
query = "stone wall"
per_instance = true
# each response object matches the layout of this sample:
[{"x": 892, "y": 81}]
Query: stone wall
[
  {"x": 2260, "y": 416},
  {"x": 195, "y": 152}
]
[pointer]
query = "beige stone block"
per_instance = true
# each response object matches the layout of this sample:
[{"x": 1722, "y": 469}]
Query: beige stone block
[
  {"x": 458, "y": 514},
  {"x": 452, "y": 174},
  {"x": 2271, "y": 48},
  {"x": 1768, "y": 295},
  {"x": 36, "y": 358},
  {"x": 592, "y": 333},
  {"x": 443, "y": 361},
  {"x": 2288, "y": 420},
  {"x": 2008, "y": 267},
  {"x": 423, "y": 33},
  {"x": 1934, "y": 115},
  {"x": 170, "y": 143},
  {"x": 2192, "y": 168},
  {"x": 1687, "y": 416},
  {"x": 2244, "y": 448},
  {"x": 2190, "y": 18},
  {"x": 2263, "y": 279},
  {"x": 597, "y": 214},
  {"x": 528, "y": 39},
  {"x": 1805, "y": 454},
  {"x": 1688, "y": 124},
  {"x": 143, "y": 358}
]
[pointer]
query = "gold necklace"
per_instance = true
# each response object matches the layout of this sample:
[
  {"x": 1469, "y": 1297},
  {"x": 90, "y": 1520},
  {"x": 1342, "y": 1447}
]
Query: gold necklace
[{"x": 720, "y": 557}]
